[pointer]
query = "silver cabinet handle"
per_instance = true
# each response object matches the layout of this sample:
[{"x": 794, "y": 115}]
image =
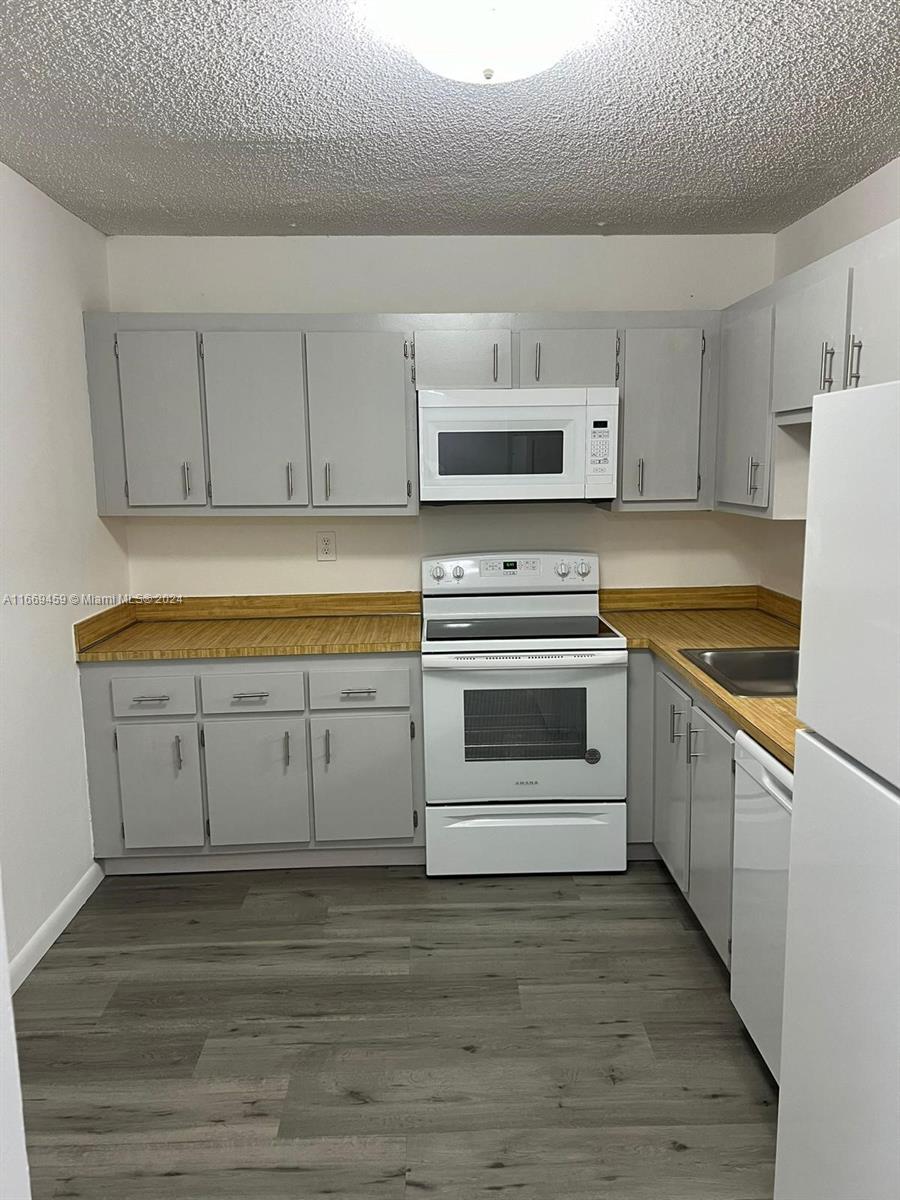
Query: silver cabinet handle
[
  {"x": 752, "y": 467},
  {"x": 496, "y": 361},
  {"x": 826, "y": 368},
  {"x": 691, "y": 753},
  {"x": 674, "y": 735},
  {"x": 854, "y": 353},
  {"x": 290, "y": 480},
  {"x": 186, "y": 478},
  {"x": 640, "y": 476},
  {"x": 327, "y": 747},
  {"x": 328, "y": 481},
  {"x": 179, "y": 761},
  {"x": 537, "y": 362},
  {"x": 150, "y": 699},
  {"x": 359, "y": 691},
  {"x": 250, "y": 696},
  {"x": 287, "y": 747}
]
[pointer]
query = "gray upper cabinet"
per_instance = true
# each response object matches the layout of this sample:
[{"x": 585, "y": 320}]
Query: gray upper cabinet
[
  {"x": 357, "y": 419},
  {"x": 159, "y": 383},
  {"x": 567, "y": 358},
  {"x": 159, "y": 784},
  {"x": 810, "y": 341},
  {"x": 712, "y": 821},
  {"x": 661, "y": 414},
  {"x": 256, "y": 781},
  {"x": 256, "y": 418},
  {"x": 875, "y": 317},
  {"x": 671, "y": 783},
  {"x": 742, "y": 469},
  {"x": 463, "y": 358},
  {"x": 362, "y": 776}
]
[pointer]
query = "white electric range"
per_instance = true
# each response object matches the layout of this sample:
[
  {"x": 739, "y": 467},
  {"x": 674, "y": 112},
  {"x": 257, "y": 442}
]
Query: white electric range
[{"x": 525, "y": 711}]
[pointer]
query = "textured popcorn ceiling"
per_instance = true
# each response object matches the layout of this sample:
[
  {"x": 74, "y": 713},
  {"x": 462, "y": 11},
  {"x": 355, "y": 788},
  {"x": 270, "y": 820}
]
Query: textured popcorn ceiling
[{"x": 284, "y": 116}]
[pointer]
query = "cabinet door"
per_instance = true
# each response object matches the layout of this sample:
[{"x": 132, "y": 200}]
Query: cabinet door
[
  {"x": 742, "y": 467},
  {"x": 255, "y": 418},
  {"x": 671, "y": 780},
  {"x": 567, "y": 358},
  {"x": 875, "y": 319},
  {"x": 256, "y": 781},
  {"x": 463, "y": 358},
  {"x": 159, "y": 383},
  {"x": 362, "y": 777},
  {"x": 810, "y": 341},
  {"x": 661, "y": 414},
  {"x": 712, "y": 824},
  {"x": 159, "y": 783},
  {"x": 357, "y": 418}
]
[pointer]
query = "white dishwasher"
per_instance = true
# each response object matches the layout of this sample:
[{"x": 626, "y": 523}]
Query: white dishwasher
[{"x": 763, "y": 790}]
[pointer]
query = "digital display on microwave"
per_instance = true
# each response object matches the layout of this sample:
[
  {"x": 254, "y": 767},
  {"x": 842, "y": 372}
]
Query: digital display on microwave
[
  {"x": 510, "y": 564},
  {"x": 601, "y": 424}
]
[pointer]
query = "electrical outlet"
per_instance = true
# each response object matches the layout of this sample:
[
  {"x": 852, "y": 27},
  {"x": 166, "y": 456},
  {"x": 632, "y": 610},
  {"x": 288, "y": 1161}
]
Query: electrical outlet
[{"x": 326, "y": 546}]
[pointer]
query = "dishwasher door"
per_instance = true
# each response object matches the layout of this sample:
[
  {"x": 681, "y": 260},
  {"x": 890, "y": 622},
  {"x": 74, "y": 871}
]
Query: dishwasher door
[{"x": 762, "y": 842}]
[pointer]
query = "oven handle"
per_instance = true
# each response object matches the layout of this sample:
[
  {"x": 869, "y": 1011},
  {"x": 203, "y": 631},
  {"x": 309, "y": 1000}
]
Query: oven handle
[
  {"x": 521, "y": 820},
  {"x": 523, "y": 662}
]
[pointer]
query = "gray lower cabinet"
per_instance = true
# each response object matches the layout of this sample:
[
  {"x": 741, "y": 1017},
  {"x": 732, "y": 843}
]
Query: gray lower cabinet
[
  {"x": 255, "y": 418},
  {"x": 256, "y": 780},
  {"x": 362, "y": 776},
  {"x": 159, "y": 784},
  {"x": 671, "y": 780},
  {"x": 567, "y": 358},
  {"x": 357, "y": 419},
  {"x": 162, "y": 426},
  {"x": 711, "y": 828},
  {"x": 661, "y": 414}
]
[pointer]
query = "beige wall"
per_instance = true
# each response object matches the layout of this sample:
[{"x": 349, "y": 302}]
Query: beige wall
[
  {"x": 53, "y": 266},
  {"x": 434, "y": 274},
  {"x": 866, "y": 206}
]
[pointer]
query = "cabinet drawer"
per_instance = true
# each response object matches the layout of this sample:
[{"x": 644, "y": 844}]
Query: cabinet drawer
[
  {"x": 368, "y": 687},
  {"x": 134, "y": 696},
  {"x": 245, "y": 691}
]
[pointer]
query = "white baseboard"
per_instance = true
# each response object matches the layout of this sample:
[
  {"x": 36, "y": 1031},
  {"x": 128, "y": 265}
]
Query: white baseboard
[
  {"x": 262, "y": 860},
  {"x": 22, "y": 964}
]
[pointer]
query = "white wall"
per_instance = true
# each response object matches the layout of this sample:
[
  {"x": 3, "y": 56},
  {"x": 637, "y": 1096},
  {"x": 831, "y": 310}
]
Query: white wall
[
  {"x": 434, "y": 274},
  {"x": 53, "y": 265},
  {"x": 866, "y": 206}
]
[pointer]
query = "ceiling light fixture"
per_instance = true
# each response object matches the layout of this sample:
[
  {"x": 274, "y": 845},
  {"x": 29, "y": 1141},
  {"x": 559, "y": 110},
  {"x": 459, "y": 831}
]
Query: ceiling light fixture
[{"x": 486, "y": 41}]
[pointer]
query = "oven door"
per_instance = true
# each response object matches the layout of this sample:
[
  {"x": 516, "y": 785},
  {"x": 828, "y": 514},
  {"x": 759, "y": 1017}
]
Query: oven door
[
  {"x": 481, "y": 451},
  {"x": 525, "y": 727}
]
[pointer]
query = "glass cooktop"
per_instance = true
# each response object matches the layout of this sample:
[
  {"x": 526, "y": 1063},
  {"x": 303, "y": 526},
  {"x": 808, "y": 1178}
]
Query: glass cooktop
[{"x": 511, "y": 628}]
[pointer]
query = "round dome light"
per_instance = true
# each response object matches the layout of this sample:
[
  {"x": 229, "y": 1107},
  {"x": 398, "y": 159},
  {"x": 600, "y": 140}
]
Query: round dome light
[{"x": 485, "y": 41}]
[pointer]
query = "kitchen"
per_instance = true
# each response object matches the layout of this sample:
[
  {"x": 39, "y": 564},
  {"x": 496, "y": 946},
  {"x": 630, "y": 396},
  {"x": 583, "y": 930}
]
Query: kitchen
[{"x": 373, "y": 832}]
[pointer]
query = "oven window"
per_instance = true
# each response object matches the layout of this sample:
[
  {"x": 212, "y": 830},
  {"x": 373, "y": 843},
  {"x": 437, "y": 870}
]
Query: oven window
[
  {"x": 501, "y": 452},
  {"x": 525, "y": 723}
]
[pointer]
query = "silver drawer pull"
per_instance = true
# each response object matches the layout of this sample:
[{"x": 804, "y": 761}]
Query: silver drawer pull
[
  {"x": 328, "y": 481},
  {"x": 674, "y": 735},
  {"x": 537, "y": 362},
  {"x": 250, "y": 696},
  {"x": 691, "y": 752},
  {"x": 287, "y": 747},
  {"x": 290, "y": 480},
  {"x": 327, "y": 747},
  {"x": 150, "y": 699},
  {"x": 179, "y": 761},
  {"x": 640, "y": 476},
  {"x": 496, "y": 361},
  {"x": 359, "y": 691}
]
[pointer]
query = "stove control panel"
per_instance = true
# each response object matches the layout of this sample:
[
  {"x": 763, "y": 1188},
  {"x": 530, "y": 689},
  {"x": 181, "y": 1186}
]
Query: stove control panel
[{"x": 533, "y": 571}]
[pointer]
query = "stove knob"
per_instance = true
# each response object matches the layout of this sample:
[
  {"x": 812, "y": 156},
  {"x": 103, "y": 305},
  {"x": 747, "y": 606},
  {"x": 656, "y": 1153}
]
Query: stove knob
[
  {"x": 583, "y": 569},
  {"x": 562, "y": 569},
  {"x": 458, "y": 572},
  {"x": 437, "y": 572}
]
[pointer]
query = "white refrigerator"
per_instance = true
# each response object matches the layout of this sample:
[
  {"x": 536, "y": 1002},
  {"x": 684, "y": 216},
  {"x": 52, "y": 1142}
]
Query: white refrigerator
[{"x": 839, "y": 1112}]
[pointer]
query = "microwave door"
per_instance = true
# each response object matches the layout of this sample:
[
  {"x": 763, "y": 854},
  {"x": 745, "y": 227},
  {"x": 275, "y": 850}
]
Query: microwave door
[{"x": 511, "y": 454}]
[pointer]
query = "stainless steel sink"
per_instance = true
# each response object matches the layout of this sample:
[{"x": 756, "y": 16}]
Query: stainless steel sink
[{"x": 751, "y": 670}]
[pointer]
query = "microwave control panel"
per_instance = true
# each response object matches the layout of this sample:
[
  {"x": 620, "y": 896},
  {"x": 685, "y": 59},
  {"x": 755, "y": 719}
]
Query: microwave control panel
[{"x": 601, "y": 443}]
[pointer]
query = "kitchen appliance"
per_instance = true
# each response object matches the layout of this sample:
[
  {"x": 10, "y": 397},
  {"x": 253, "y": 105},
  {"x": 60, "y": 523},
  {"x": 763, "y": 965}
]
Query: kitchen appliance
[
  {"x": 525, "y": 696},
  {"x": 839, "y": 1109},
  {"x": 518, "y": 444},
  {"x": 763, "y": 790}
]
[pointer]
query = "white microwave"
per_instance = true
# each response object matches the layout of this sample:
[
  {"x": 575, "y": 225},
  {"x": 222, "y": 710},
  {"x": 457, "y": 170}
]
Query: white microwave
[{"x": 518, "y": 444}]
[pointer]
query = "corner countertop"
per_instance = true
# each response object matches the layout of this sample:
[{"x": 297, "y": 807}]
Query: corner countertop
[{"x": 769, "y": 720}]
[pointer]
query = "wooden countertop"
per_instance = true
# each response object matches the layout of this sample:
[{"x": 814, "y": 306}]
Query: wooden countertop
[
  {"x": 254, "y": 637},
  {"x": 769, "y": 720},
  {"x": 284, "y": 626}
]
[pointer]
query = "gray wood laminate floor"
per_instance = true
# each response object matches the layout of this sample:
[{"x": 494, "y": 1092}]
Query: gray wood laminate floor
[{"x": 371, "y": 1034}]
